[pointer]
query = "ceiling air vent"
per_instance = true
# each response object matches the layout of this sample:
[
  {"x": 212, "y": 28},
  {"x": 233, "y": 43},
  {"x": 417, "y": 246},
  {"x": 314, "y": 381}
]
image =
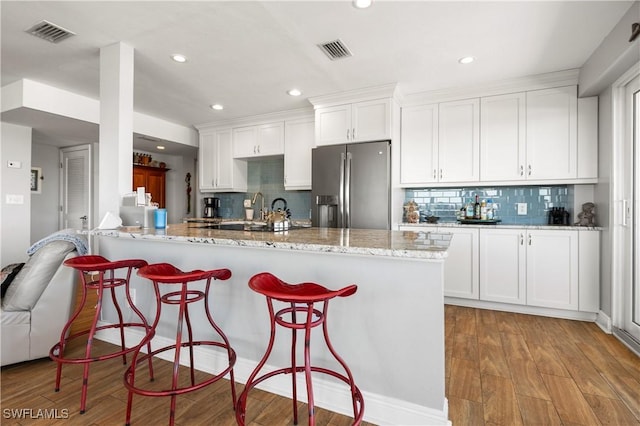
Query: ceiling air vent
[
  {"x": 50, "y": 32},
  {"x": 335, "y": 50}
]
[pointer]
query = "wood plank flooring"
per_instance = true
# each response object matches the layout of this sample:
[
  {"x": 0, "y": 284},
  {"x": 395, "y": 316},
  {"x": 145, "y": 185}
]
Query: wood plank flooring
[
  {"x": 514, "y": 369},
  {"x": 30, "y": 385},
  {"x": 501, "y": 369}
]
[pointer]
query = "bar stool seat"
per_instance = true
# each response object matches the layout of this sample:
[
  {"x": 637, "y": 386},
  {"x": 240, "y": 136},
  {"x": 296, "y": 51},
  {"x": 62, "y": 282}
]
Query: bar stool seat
[
  {"x": 164, "y": 273},
  {"x": 89, "y": 265},
  {"x": 302, "y": 299}
]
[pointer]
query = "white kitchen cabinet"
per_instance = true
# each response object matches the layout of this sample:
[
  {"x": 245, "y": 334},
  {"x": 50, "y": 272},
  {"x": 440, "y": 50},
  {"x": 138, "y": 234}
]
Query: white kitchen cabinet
[
  {"x": 588, "y": 138},
  {"x": 356, "y": 122},
  {"x": 552, "y": 133},
  {"x": 440, "y": 143},
  {"x": 552, "y": 269},
  {"x": 503, "y": 137},
  {"x": 219, "y": 171},
  {"x": 258, "y": 141},
  {"x": 461, "y": 277},
  {"x": 419, "y": 144},
  {"x": 503, "y": 265},
  {"x": 298, "y": 142}
]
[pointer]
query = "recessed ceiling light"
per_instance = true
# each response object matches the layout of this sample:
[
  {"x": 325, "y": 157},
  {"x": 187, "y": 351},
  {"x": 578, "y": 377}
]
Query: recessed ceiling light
[
  {"x": 160, "y": 147},
  {"x": 217, "y": 107},
  {"x": 179, "y": 58},
  {"x": 294, "y": 92},
  {"x": 466, "y": 60},
  {"x": 361, "y": 4}
]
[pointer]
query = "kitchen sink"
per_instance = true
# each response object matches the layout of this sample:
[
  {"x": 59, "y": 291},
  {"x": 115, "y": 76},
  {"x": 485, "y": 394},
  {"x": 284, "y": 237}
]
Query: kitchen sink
[{"x": 240, "y": 226}]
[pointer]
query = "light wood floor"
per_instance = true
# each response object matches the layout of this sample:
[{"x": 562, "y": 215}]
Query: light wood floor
[
  {"x": 30, "y": 386},
  {"x": 512, "y": 369},
  {"x": 501, "y": 369}
]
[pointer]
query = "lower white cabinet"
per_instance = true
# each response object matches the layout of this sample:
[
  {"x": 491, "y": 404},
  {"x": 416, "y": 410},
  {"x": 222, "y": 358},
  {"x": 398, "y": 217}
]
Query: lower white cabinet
[
  {"x": 543, "y": 268},
  {"x": 503, "y": 266},
  {"x": 532, "y": 267},
  {"x": 461, "y": 267}
]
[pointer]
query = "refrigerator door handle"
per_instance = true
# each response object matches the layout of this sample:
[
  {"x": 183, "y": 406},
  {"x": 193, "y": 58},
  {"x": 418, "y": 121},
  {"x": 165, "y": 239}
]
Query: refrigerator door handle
[
  {"x": 341, "y": 200},
  {"x": 347, "y": 196}
]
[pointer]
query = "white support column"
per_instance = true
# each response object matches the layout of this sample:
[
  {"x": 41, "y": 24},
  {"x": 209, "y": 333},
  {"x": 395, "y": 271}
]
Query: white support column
[{"x": 115, "y": 171}]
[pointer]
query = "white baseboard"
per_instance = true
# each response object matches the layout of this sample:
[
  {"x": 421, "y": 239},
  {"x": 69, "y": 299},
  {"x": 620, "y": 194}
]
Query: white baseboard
[
  {"x": 379, "y": 409},
  {"x": 522, "y": 309},
  {"x": 604, "y": 322}
]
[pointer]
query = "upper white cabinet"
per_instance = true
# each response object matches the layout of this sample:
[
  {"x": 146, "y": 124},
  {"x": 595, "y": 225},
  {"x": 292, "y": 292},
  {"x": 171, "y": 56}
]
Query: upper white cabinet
[
  {"x": 356, "y": 122},
  {"x": 219, "y": 171},
  {"x": 552, "y": 144},
  {"x": 459, "y": 141},
  {"x": 419, "y": 144},
  {"x": 503, "y": 137},
  {"x": 298, "y": 142},
  {"x": 440, "y": 142},
  {"x": 258, "y": 141}
]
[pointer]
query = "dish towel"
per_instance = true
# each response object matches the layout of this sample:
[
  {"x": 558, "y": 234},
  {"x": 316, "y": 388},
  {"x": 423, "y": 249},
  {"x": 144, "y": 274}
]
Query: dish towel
[{"x": 69, "y": 235}]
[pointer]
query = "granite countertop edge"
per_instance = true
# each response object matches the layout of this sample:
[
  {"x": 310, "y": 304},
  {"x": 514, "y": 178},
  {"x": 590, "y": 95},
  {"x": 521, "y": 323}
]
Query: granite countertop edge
[
  {"x": 431, "y": 250},
  {"x": 504, "y": 226}
]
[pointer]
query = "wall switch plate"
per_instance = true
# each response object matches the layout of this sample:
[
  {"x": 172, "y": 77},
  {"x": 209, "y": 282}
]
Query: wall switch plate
[
  {"x": 522, "y": 208},
  {"x": 15, "y": 199},
  {"x": 14, "y": 164},
  {"x": 247, "y": 204}
]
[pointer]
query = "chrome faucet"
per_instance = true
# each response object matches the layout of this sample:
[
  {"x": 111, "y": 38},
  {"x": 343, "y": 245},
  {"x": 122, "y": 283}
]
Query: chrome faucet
[{"x": 253, "y": 201}]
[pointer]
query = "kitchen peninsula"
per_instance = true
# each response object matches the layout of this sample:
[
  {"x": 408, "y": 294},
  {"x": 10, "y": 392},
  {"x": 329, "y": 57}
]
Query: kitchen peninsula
[{"x": 391, "y": 332}]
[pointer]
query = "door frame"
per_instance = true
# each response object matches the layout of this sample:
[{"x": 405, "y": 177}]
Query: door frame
[
  {"x": 89, "y": 150},
  {"x": 620, "y": 220}
]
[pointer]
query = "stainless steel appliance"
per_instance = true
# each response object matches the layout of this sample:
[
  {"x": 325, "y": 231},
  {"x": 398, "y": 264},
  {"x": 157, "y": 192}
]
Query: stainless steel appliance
[
  {"x": 351, "y": 186},
  {"x": 211, "y": 207}
]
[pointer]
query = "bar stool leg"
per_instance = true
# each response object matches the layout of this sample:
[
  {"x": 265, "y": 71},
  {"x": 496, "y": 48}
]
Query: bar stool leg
[
  {"x": 190, "y": 334},
  {"x": 294, "y": 382},
  {"x": 307, "y": 364},
  {"x": 119, "y": 312}
]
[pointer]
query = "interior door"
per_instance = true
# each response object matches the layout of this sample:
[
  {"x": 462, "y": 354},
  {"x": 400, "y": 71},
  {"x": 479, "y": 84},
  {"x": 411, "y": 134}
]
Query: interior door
[
  {"x": 75, "y": 187},
  {"x": 632, "y": 288}
]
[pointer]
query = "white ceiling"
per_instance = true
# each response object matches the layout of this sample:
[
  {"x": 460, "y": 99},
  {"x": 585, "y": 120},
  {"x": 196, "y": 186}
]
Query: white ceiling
[{"x": 246, "y": 55}]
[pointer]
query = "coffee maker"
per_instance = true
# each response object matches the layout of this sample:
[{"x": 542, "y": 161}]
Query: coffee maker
[{"x": 211, "y": 207}]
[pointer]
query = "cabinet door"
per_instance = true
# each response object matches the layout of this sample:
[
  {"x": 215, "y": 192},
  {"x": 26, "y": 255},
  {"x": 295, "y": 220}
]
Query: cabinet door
[
  {"x": 461, "y": 266},
  {"x": 503, "y": 266},
  {"x": 552, "y": 269},
  {"x": 298, "y": 142},
  {"x": 207, "y": 161},
  {"x": 588, "y": 138},
  {"x": 156, "y": 186},
  {"x": 419, "y": 144},
  {"x": 502, "y": 137},
  {"x": 371, "y": 120},
  {"x": 139, "y": 178},
  {"x": 270, "y": 139},
  {"x": 459, "y": 141},
  {"x": 551, "y": 133},
  {"x": 245, "y": 142},
  {"x": 333, "y": 125},
  {"x": 224, "y": 160}
]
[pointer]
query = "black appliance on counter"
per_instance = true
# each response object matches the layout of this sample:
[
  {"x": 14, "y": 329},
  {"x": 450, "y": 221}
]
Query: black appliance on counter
[
  {"x": 211, "y": 207},
  {"x": 558, "y": 216}
]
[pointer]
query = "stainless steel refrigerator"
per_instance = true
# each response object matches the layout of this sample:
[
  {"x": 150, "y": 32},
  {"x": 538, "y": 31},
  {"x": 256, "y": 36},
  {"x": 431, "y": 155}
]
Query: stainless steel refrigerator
[{"x": 351, "y": 186}]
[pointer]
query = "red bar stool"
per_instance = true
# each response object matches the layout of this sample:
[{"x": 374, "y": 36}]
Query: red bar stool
[
  {"x": 91, "y": 264},
  {"x": 302, "y": 298},
  {"x": 164, "y": 273}
]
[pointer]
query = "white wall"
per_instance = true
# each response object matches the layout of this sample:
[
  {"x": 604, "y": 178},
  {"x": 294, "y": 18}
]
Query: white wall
[
  {"x": 15, "y": 219},
  {"x": 44, "y": 206}
]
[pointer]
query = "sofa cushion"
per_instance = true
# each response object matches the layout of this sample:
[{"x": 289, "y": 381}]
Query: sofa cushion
[
  {"x": 7, "y": 275},
  {"x": 35, "y": 275}
]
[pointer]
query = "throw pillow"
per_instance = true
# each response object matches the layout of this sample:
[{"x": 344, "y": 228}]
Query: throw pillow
[{"x": 7, "y": 275}]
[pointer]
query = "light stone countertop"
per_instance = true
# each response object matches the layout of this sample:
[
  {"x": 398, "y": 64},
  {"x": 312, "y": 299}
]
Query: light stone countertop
[
  {"x": 503, "y": 226},
  {"x": 405, "y": 244}
]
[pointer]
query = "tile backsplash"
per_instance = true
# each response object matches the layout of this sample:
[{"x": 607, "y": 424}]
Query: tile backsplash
[
  {"x": 266, "y": 176},
  {"x": 444, "y": 202}
]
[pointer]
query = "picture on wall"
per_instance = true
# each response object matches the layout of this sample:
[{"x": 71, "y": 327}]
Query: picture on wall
[{"x": 36, "y": 180}]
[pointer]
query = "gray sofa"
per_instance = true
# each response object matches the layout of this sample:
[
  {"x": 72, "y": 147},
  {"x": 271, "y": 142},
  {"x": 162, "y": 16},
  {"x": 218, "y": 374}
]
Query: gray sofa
[{"x": 38, "y": 303}]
